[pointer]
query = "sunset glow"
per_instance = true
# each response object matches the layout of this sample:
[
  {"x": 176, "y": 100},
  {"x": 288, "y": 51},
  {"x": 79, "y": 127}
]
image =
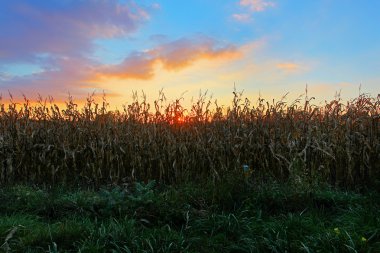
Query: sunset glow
[{"x": 264, "y": 47}]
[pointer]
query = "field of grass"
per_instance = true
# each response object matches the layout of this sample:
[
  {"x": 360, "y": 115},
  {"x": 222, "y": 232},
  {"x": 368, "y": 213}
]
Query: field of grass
[
  {"x": 252, "y": 177},
  {"x": 228, "y": 217}
]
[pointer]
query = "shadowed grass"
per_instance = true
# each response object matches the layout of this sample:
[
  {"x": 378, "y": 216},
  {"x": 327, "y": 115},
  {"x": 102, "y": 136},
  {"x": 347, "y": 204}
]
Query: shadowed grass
[{"x": 190, "y": 218}]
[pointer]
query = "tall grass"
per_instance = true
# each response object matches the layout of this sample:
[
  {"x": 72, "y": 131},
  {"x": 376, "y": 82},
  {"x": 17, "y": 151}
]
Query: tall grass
[{"x": 337, "y": 142}]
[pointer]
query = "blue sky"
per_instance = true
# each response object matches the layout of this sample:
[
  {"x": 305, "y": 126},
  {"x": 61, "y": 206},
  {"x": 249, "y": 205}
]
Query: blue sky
[{"x": 263, "y": 46}]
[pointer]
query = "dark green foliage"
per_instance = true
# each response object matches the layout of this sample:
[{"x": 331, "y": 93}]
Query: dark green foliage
[{"x": 225, "y": 217}]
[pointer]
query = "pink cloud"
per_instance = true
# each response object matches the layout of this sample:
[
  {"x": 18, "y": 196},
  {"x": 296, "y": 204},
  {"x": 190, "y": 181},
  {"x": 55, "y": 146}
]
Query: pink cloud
[
  {"x": 69, "y": 75},
  {"x": 257, "y": 5}
]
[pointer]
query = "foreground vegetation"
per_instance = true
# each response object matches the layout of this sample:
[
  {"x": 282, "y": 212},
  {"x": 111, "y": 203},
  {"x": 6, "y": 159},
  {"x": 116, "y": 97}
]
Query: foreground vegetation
[
  {"x": 229, "y": 217},
  {"x": 338, "y": 142},
  {"x": 268, "y": 177}
]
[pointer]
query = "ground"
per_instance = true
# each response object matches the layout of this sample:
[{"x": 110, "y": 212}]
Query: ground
[{"x": 214, "y": 217}]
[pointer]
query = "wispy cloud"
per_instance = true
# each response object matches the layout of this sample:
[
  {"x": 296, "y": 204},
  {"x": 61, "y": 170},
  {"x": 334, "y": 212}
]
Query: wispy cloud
[
  {"x": 288, "y": 66},
  {"x": 173, "y": 56},
  {"x": 242, "y": 17},
  {"x": 251, "y": 6},
  {"x": 156, "y": 6},
  {"x": 257, "y": 5},
  {"x": 4, "y": 76}
]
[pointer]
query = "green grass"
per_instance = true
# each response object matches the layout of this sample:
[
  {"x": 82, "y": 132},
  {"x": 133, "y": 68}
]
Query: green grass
[{"x": 228, "y": 217}]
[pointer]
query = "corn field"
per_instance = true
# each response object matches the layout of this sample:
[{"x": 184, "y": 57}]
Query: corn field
[{"x": 338, "y": 142}]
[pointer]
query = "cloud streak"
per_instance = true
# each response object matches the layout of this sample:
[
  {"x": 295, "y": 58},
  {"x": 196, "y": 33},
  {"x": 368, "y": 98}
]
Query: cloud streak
[
  {"x": 288, "y": 67},
  {"x": 242, "y": 17}
]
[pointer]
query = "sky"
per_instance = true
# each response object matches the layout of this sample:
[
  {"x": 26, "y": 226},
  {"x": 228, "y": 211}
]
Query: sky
[{"x": 267, "y": 48}]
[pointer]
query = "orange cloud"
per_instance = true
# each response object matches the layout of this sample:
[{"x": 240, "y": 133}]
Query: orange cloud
[
  {"x": 173, "y": 56},
  {"x": 288, "y": 66},
  {"x": 183, "y": 53},
  {"x": 257, "y": 5}
]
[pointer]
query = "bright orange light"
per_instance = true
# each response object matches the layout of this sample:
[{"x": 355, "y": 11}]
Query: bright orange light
[{"x": 181, "y": 120}]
